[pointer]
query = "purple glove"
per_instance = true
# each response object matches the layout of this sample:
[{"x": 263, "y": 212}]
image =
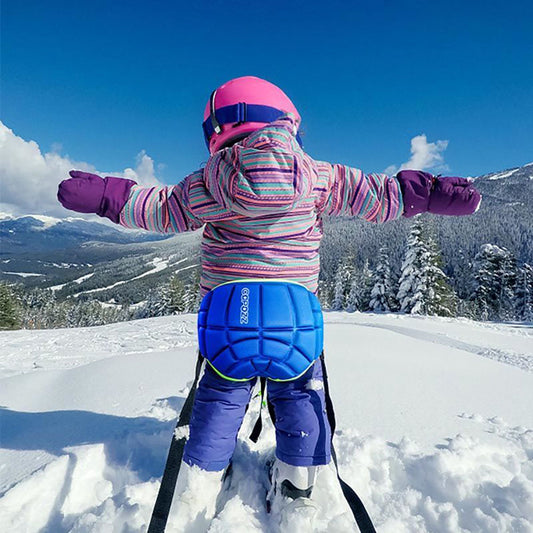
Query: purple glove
[
  {"x": 423, "y": 192},
  {"x": 88, "y": 193}
]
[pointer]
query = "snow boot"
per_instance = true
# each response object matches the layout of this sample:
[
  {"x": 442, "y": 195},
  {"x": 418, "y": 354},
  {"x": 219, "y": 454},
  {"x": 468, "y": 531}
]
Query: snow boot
[
  {"x": 195, "y": 500},
  {"x": 290, "y": 494}
]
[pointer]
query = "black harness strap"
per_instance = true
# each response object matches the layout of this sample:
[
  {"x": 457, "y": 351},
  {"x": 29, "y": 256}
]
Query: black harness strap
[
  {"x": 356, "y": 505},
  {"x": 163, "y": 502},
  {"x": 258, "y": 426}
]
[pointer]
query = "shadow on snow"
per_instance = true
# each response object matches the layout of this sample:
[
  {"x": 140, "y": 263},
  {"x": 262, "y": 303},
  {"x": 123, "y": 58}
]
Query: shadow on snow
[{"x": 141, "y": 443}]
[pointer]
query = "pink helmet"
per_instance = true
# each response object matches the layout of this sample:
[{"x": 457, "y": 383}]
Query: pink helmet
[{"x": 241, "y": 106}]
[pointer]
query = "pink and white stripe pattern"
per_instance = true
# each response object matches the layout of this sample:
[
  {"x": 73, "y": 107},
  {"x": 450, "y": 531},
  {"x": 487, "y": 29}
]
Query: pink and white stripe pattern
[{"x": 261, "y": 202}]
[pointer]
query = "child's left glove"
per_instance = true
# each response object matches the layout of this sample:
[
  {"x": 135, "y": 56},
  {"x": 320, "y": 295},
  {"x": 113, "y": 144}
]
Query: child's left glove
[
  {"x": 88, "y": 193},
  {"x": 423, "y": 192}
]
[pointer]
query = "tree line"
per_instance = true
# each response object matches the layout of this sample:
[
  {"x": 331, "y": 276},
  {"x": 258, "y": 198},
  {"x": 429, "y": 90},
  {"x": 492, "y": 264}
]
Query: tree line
[
  {"x": 490, "y": 286},
  {"x": 22, "y": 308}
]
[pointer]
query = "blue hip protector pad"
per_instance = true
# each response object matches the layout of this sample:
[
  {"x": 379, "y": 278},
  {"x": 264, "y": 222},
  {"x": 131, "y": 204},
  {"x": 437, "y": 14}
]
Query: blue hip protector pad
[{"x": 268, "y": 328}]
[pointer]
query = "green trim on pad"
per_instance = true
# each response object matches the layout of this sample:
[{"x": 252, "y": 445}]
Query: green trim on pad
[{"x": 248, "y": 379}]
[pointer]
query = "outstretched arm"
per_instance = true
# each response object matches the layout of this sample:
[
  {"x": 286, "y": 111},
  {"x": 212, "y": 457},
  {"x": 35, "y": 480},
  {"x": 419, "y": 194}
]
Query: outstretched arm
[
  {"x": 160, "y": 209},
  {"x": 182, "y": 207},
  {"x": 374, "y": 197},
  {"x": 379, "y": 198}
]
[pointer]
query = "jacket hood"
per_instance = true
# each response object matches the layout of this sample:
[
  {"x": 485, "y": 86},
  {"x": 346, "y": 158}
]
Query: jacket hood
[{"x": 266, "y": 173}]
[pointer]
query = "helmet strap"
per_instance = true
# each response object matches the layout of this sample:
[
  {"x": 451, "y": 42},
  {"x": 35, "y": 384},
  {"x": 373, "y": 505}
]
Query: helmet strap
[{"x": 214, "y": 121}]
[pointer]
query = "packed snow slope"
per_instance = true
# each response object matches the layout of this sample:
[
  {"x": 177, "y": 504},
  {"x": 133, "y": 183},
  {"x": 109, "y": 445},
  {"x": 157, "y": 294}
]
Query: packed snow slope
[{"x": 435, "y": 421}]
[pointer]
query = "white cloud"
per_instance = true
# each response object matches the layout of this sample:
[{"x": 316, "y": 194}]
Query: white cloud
[
  {"x": 29, "y": 178},
  {"x": 424, "y": 156},
  {"x": 143, "y": 173}
]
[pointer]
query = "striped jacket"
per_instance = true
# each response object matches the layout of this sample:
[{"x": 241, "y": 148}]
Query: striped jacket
[{"x": 261, "y": 202}]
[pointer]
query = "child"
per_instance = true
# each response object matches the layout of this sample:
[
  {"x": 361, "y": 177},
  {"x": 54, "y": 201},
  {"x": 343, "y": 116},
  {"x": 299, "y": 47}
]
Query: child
[{"x": 260, "y": 199}]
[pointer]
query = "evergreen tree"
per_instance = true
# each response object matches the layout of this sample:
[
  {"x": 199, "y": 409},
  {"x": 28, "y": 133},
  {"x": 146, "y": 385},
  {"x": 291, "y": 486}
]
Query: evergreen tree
[
  {"x": 167, "y": 299},
  {"x": 424, "y": 288},
  {"x": 192, "y": 295},
  {"x": 9, "y": 308},
  {"x": 524, "y": 294},
  {"x": 381, "y": 296},
  {"x": 353, "y": 301},
  {"x": 325, "y": 293},
  {"x": 442, "y": 299},
  {"x": 495, "y": 277},
  {"x": 343, "y": 279},
  {"x": 174, "y": 297},
  {"x": 360, "y": 289},
  {"x": 38, "y": 309},
  {"x": 153, "y": 305},
  {"x": 410, "y": 282},
  {"x": 462, "y": 276}
]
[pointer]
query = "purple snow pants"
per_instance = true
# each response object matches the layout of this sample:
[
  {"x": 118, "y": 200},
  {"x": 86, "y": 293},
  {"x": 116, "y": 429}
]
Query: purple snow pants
[{"x": 303, "y": 435}]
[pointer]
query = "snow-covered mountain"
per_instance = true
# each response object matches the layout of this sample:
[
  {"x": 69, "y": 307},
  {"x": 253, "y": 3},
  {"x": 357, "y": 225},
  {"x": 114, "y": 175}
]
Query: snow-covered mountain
[
  {"x": 73, "y": 256},
  {"x": 435, "y": 427},
  {"x": 512, "y": 187},
  {"x": 38, "y": 233}
]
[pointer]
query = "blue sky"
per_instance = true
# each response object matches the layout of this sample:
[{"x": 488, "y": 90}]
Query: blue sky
[{"x": 101, "y": 81}]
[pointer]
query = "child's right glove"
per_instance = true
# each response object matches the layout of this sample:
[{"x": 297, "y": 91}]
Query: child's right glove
[
  {"x": 88, "y": 193},
  {"x": 423, "y": 192}
]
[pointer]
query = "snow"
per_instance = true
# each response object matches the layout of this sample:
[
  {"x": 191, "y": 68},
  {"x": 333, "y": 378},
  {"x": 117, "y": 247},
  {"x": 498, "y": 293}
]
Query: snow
[
  {"x": 67, "y": 265},
  {"x": 48, "y": 222},
  {"x": 158, "y": 263},
  {"x": 23, "y": 274},
  {"x": 78, "y": 281},
  {"x": 503, "y": 174},
  {"x": 435, "y": 427},
  {"x": 111, "y": 304}
]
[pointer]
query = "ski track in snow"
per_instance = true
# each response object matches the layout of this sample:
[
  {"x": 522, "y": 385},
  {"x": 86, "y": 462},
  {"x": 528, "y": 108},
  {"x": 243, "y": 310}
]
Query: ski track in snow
[
  {"x": 522, "y": 361},
  {"x": 87, "y": 416},
  {"x": 520, "y": 335}
]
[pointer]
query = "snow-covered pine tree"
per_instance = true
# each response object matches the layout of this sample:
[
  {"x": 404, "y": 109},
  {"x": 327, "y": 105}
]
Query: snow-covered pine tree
[
  {"x": 382, "y": 295},
  {"x": 38, "y": 308},
  {"x": 338, "y": 290},
  {"x": 495, "y": 277},
  {"x": 325, "y": 293},
  {"x": 442, "y": 299},
  {"x": 9, "y": 308},
  {"x": 174, "y": 297},
  {"x": 192, "y": 295},
  {"x": 343, "y": 278},
  {"x": 411, "y": 273},
  {"x": 91, "y": 314},
  {"x": 360, "y": 289},
  {"x": 353, "y": 302},
  {"x": 155, "y": 304},
  {"x": 462, "y": 276},
  {"x": 424, "y": 288},
  {"x": 166, "y": 299},
  {"x": 524, "y": 293}
]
